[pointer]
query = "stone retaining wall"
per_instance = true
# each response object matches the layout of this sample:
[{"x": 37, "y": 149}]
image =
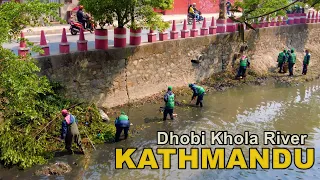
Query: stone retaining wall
[{"x": 117, "y": 76}]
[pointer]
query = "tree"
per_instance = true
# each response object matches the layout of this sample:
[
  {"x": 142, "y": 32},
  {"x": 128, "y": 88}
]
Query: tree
[
  {"x": 100, "y": 10},
  {"x": 22, "y": 90},
  {"x": 222, "y": 9},
  {"x": 253, "y": 9},
  {"x": 137, "y": 13}
]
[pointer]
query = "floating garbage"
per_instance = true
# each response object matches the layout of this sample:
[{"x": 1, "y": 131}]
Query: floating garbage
[{"x": 58, "y": 168}]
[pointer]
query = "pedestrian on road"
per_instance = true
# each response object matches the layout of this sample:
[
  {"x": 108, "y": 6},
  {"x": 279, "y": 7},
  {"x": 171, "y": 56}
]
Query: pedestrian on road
[
  {"x": 306, "y": 62},
  {"x": 169, "y": 104},
  {"x": 292, "y": 60},
  {"x": 70, "y": 131},
  {"x": 122, "y": 123},
  {"x": 281, "y": 60},
  {"x": 199, "y": 92}
]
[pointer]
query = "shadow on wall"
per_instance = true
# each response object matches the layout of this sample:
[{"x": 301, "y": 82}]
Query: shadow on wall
[{"x": 121, "y": 75}]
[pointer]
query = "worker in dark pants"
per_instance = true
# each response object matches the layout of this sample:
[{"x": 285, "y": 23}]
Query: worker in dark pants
[
  {"x": 306, "y": 62},
  {"x": 199, "y": 92},
  {"x": 70, "y": 131},
  {"x": 122, "y": 123},
  {"x": 81, "y": 17},
  {"x": 169, "y": 100},
  {"x": 244, "y": 63},
  {"x": 292, "y": 60},
  {"x": 281, "y": 60}
]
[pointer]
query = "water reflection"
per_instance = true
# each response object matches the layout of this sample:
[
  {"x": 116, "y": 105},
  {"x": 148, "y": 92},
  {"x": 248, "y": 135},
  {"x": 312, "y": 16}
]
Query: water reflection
[{"x": 253, "y": 109}]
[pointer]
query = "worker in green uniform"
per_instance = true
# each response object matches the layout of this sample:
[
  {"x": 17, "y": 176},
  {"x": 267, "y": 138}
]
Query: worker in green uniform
[
  {"x": 281, "y": 60},
  {"x": 199, "y": 92},
  {"x": 70, "y": 131},
  {"x": 244, "y": 63},
  {"x": 292, "y": 60},
  {"x": 122, "y": 123},
  {"x": 306, "y": 62},
  {"x": 169, "y": 104}
]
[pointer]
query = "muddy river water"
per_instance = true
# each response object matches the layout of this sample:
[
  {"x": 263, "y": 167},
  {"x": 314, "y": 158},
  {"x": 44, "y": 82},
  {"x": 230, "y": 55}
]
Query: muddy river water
[{"x": 293, "y": 110}]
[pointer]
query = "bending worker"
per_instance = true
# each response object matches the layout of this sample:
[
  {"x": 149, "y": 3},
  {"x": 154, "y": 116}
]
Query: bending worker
[
  {"x": 169, "y": 100},
  {"x": 199, "y": 92},
  {"x": 70, "y": 131},
  {"x": 244, "y": 63},
  {"x": 122, "y": 123},
  {"x": 281, "y": 60}
]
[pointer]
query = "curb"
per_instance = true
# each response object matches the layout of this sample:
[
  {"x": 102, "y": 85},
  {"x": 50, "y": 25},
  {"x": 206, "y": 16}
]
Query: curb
[{"x": 27, "y": 32}]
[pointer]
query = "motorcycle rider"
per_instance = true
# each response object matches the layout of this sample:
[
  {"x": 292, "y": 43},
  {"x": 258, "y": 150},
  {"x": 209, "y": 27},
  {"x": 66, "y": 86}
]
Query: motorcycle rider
[
  {"x": 81, "y": 17},
  {"x": 196, "y": 12}
]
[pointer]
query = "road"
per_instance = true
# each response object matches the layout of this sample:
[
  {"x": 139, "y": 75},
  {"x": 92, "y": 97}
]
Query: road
[{"x": 54, "y": 39}]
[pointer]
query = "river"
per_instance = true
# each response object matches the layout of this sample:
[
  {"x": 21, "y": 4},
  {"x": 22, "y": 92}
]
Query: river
[{"x": 293, "y": 110}]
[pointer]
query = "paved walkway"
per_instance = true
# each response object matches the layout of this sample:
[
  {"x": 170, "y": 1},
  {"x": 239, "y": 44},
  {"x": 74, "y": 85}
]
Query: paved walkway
[{"x": 56, "y": 29}]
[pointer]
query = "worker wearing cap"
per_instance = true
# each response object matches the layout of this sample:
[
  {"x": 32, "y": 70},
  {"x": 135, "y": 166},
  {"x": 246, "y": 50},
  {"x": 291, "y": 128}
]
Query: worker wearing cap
[
  {"x": 122, "y": 123},
  {"x": 199, "y": 92},
  {"x": 70, "y": 131},
  {"x": 292, "y": 60},
  {"x": 281, "y": 60},
  {"x": 169, "y": 100},
  {"x": 244, "y": 63},
  {"x": 306, "y": 62}
]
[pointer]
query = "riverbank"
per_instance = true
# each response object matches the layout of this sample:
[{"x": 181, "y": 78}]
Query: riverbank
[{"x": 226, "y": 80}]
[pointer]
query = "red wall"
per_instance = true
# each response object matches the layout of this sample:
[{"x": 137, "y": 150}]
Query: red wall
[{"x": 205, "y": 6}]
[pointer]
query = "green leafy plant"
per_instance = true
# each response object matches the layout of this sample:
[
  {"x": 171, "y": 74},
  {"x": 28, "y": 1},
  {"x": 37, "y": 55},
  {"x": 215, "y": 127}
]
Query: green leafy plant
[
  {"x": 134, "y": 14},
  {"x": 29, "y": 103},
  {"x": 254, "y": 9}
]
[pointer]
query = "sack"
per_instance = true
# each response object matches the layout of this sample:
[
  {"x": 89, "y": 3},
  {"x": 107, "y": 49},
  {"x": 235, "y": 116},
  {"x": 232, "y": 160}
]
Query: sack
[{"x": 285, "y": 67}]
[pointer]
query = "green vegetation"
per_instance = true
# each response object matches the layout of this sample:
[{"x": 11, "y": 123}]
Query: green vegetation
[
  {"x": 132, "y": 13},
  {"x": 29, "y": 105},
  {"x": 253, "y": 9}
]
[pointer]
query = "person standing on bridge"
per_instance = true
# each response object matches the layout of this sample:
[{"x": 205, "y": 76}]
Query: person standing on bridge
[
  {"x": 306, "y": 62},
  {"x": 70, "y": 131},
  {"x": 281, "y": 60},
  {"x": 199, "y": 92},
  {"x": 122, "y": 123},
  {"x": 169, "y": 100},
  {"x": 292, "y": 60}
]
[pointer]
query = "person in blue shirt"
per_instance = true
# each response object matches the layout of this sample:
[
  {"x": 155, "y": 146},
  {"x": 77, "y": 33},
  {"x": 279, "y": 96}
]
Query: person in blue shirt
[
  {"x": 122, "y": 123},
  {"x": 70, "y": 131},
  {"x": 199, "y": 92}
]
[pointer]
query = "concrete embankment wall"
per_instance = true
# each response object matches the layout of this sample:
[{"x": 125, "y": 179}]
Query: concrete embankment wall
[{"x": 118, "y": 76}]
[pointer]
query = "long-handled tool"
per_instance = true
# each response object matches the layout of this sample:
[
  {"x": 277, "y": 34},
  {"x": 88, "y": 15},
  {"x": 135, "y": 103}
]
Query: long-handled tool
[{"x": 90, "y": 140}]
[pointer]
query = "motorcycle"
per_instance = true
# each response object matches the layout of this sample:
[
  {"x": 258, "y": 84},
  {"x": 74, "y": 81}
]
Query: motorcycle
[
  {"x": 191, "y": 17},
  {"x": 76, "y": 26}
]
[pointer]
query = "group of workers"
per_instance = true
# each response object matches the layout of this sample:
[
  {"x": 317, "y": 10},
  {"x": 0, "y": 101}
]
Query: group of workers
[
  {"x": 70, "y": 132},
  {"x": 287, "y": 59}
]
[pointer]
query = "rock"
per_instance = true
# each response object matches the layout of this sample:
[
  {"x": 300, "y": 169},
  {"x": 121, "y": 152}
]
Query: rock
[
  {"x": 104, "y": 116},
  {"x": 58, "y": 168}
]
